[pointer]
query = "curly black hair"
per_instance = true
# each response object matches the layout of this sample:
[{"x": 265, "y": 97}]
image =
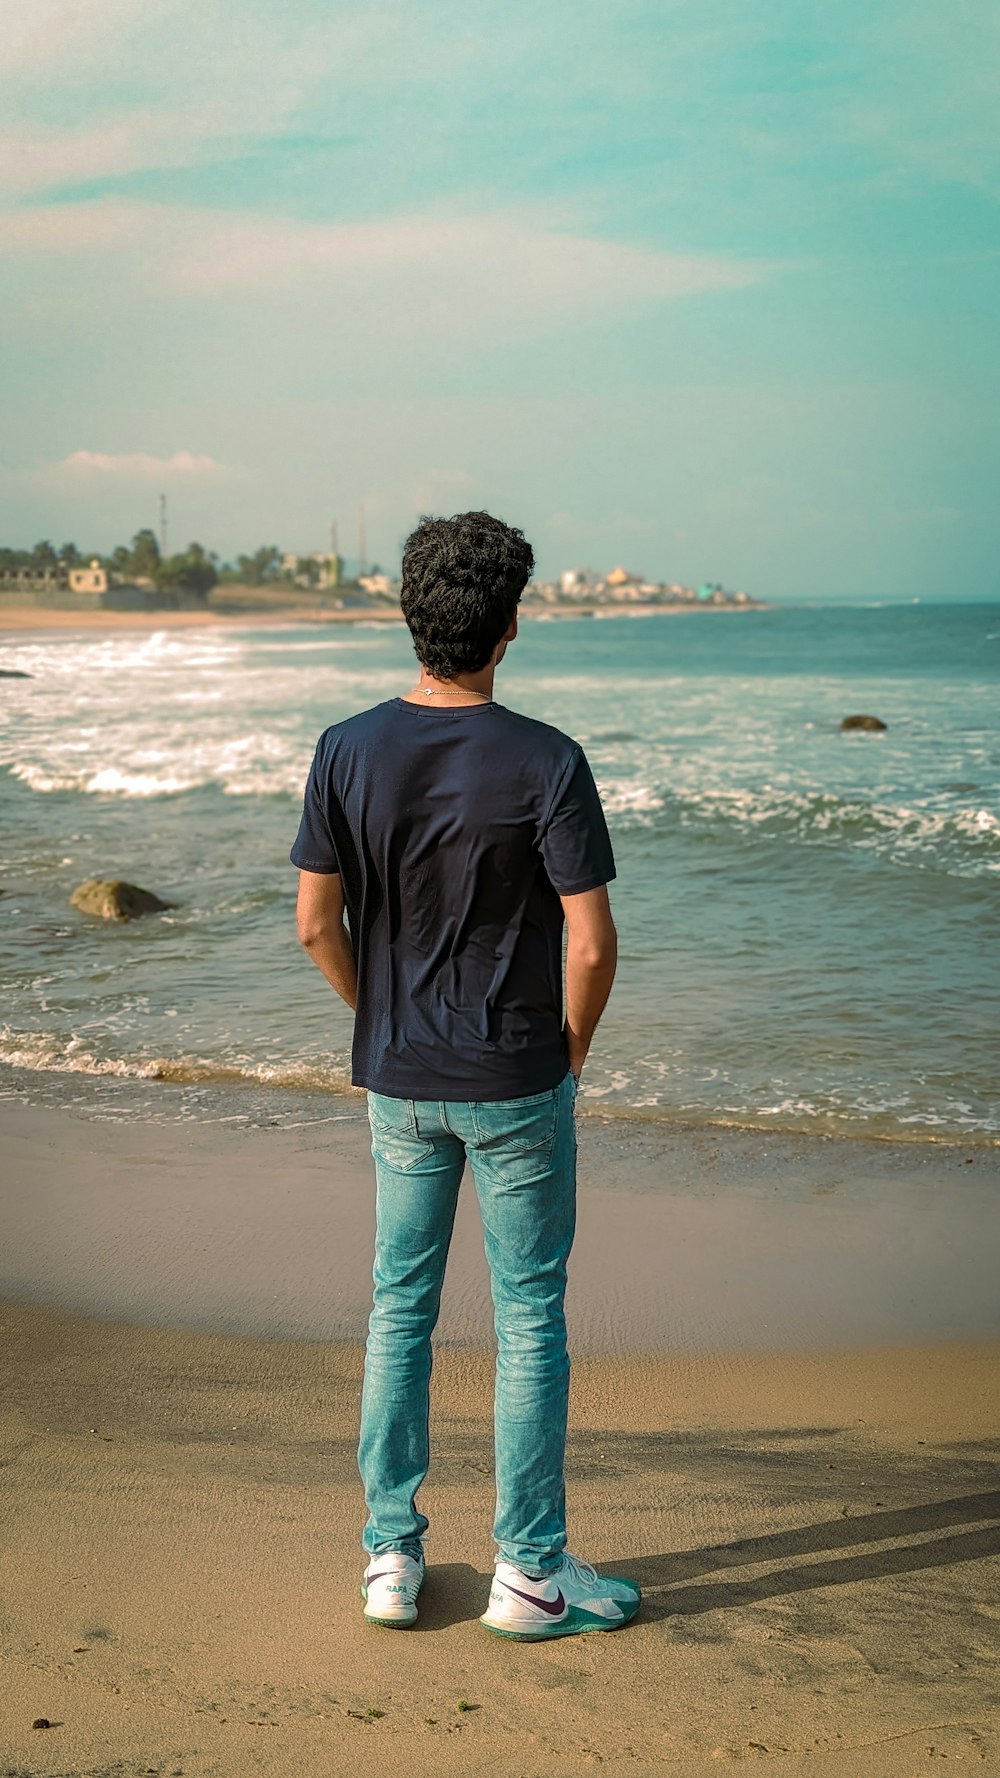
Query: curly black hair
[{"x": 462, "y": 580}]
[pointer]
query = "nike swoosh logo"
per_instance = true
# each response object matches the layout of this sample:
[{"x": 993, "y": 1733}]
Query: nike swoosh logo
[{"x": 555, "y": 1607}]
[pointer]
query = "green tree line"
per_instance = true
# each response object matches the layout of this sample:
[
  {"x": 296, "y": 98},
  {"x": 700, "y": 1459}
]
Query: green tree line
[{"x": 197, "y": 569}]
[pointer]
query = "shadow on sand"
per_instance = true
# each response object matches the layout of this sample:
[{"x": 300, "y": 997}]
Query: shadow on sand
[
  {"x": 664, "y": 1597},
  {"x": 455, "y": 1592}
]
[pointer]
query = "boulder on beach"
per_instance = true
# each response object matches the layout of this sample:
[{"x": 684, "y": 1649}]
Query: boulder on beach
[
  {"x": 112, "y": 899},
  {"x": 872, "y": 725}
]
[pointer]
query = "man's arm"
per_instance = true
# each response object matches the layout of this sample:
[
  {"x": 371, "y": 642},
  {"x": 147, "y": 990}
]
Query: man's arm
[
  {"x": 319, "y": 919},
  {"x": 591, "y": 959}
]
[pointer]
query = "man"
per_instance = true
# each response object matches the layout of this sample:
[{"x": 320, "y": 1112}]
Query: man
[{"x": 459, "y": 837}]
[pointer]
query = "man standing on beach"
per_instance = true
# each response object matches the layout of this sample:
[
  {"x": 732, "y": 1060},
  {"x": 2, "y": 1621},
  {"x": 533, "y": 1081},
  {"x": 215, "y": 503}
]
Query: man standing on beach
[{"x": 459, "y": 837}]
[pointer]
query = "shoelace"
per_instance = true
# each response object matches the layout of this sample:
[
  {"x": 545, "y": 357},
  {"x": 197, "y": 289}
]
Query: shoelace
[{"x": 582, "y": 1570}]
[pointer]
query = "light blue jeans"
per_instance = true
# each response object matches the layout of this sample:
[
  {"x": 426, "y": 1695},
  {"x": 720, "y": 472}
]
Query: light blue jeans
[{"x": 522, "y": 1153}]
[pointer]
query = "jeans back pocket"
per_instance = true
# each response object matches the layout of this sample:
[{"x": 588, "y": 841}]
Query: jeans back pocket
[
  {"x": 516, "y": 1137},
  {"x": 395, "y": 1141}
]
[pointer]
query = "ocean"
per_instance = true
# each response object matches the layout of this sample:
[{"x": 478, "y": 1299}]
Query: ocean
[{"x": 807, "y": 919}]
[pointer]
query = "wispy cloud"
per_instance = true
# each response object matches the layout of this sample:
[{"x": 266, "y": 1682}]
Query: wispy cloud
[
  {"x": 453, "y": 260},
  {"x": 94, "y": 90},
  {"x": 405, "y": 277},
  {"x": 35, "y": 158},
  {"x": 135, "y": 466},
  {"x": 53, "y": 35},
  {"x": 931, "y": 112},
  {"x": 245, "y": 226}
]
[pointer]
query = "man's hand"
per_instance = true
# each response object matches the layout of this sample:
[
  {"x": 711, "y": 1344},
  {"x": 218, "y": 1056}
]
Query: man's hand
[
  {"x": 591, "y": 960},
  {"x": 319, "y": 918}
]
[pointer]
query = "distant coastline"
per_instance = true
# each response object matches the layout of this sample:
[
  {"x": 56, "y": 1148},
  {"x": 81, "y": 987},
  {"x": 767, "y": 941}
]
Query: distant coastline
[
  {"x": 139, "y": 585},
  {"x": 16, "y": 618}
]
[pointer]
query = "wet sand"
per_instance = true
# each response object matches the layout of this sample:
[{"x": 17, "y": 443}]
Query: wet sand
[
  {"x": 785, "y": 1424},
  {"x": 688, "y": 1239}
]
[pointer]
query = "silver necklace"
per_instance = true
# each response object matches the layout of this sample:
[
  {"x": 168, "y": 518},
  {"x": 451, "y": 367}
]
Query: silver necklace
[{"x": 462, "y": 691}]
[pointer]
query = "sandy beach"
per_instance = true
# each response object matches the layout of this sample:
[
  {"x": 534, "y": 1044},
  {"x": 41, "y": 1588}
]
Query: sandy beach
[
  {"x": 17, "y": 619},
  {"x": 695, "y": 1240},
  {"x": 792, "y": 1450}
]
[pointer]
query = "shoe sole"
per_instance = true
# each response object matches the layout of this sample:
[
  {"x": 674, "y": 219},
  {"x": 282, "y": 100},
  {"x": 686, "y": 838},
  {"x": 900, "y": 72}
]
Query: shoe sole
[
  {"x": 388, "y": 1623},
  {"x": 575, "y": 1623}
]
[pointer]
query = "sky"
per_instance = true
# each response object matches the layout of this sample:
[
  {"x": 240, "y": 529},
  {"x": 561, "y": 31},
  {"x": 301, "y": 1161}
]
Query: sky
[{"x": 709, "y": 289}]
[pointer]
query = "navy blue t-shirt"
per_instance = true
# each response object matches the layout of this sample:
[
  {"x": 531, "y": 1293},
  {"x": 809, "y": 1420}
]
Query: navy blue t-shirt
[{"x": 455, "y": 832}]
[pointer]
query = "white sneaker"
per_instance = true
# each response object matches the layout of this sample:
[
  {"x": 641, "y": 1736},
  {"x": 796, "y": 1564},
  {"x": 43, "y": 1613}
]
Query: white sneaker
[
  {"x": 390, "y": 1587},
  {"x": 571, "y": 1599}
]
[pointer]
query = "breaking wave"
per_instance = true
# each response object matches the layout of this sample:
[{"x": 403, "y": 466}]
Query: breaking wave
[
  {"x": 39, "y": 1051},
  {"x": 41, "y": 1054},
  {"x": 962, "y": 841}
]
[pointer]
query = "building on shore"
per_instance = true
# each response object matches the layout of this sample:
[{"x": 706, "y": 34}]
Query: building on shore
[
  {"x": 92, "y": 579},
  {"x": 579, "y": 589},
  {"x": 380, "y": 586},
  {"x": 31, "y": 582},
  {"x": 574, "y": 582},
  {"x": 315, "y": 568}
]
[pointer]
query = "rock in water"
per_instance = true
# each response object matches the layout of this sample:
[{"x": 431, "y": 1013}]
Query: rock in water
[
  {"x": 873, "y": 724},
  {"x": 111, "y": 899},
  {"x": 13, "y": 673}
]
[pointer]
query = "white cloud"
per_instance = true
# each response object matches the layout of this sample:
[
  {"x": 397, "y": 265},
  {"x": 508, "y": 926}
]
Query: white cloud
[
  {"x": 916, "y": 84},
  {"x": 405, "y": 277},
  {"x": 449, "y": 258},
  {"x": 34, "y": 158},
  {"x": 133, "y": 465},
  {"x": 53, "y": 34},
  {"x": 75, "y": 228},
  {"x": 197, "y": 79}
]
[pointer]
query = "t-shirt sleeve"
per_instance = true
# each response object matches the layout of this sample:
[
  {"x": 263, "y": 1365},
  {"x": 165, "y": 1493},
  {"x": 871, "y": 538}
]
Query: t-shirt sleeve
[
  {"x": 314, "y": 848},
  {"x": 574, "y": 842}
]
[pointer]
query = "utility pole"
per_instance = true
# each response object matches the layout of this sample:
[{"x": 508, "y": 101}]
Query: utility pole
[
  {"x": 362, "y": 541},
  {"x": 331, "y": 575},
  {"x": 164, "y": 552}
]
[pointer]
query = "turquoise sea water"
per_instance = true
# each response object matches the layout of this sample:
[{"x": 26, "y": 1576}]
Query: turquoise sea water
[{"x": 808, "y": 920}]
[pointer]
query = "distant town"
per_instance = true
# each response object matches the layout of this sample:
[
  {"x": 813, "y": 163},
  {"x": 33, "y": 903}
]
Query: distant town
[
  {"x": 142, "y": 575},
  {"x": 578, "y": 589}
]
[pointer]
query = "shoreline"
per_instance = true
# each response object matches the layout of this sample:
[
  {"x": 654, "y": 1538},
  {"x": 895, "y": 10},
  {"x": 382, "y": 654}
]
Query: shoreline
[
  {"x": 815, "y": 1534},
  {"x": 689, "y": 1240},
  {"x": 21, "y": 619},
  {"x": 52, "y": 1086}
]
